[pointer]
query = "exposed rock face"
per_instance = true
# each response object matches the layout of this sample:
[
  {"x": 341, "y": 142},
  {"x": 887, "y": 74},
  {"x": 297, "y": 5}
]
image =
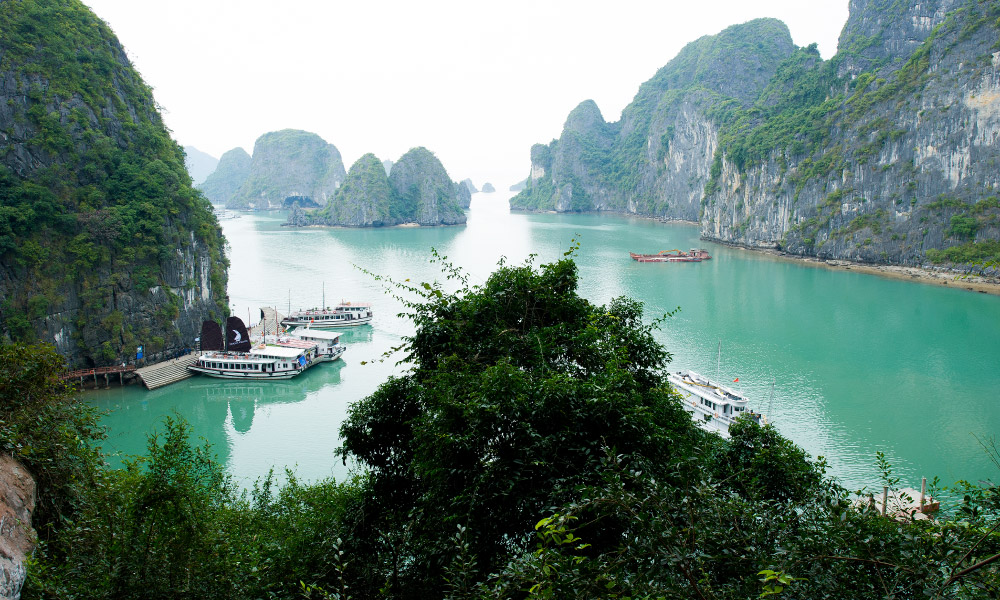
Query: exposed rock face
[
  {"x": 199, "y": 164},
  {"x": 881, "y": 154},
  {"x": 418, "y": 190},
  {"x": 488, "y": 188},
  {"x": 424, "y": 190},
  {"x": 643, "y": 163},
  {"x": 228, "y": 177},
  {"x": 470, "y": 186},
  {"x": 290, "y": 163},
  {"x": 463, "y": 194},
  {"x": 880, "y": 35},
  {"x": 17, "y": 538},
  {"x": 104, "y": 244}
]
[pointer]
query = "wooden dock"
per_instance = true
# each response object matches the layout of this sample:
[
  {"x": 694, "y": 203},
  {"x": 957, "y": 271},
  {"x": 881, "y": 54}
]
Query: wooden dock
[
  {"x": 107, "y": 372},
  {"x": 167, "y": 372}
]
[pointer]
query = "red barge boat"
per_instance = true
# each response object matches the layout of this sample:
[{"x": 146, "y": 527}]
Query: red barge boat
[{"x": 694, "y": 255}]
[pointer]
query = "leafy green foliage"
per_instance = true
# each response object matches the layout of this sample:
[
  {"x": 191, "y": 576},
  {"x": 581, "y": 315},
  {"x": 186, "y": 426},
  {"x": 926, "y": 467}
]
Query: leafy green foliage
[
  {"x": 516, "y": 389},
  {"x": 987, "y": 251}
]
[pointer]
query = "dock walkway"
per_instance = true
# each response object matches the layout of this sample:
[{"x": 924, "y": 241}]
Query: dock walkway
[{"x": 167, "y": 372}]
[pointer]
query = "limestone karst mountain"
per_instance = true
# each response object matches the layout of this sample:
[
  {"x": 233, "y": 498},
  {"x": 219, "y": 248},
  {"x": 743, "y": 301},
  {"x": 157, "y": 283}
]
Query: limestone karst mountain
[
  {"x": 417, "y": 190},
  {"x": 199, "y": 164},
  {"x": 288, "y": 166},
  {"x": 104, "y": 243},
  {"x": 228, "y": 177},
  {"x": 886, "y": 153}
]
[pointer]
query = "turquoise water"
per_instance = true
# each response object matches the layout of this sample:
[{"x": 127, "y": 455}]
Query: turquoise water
[{"x": 857, "y": 363}]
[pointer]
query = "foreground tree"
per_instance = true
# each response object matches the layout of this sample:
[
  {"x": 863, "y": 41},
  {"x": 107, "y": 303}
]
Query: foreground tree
[{"x": 518, "y": 390}]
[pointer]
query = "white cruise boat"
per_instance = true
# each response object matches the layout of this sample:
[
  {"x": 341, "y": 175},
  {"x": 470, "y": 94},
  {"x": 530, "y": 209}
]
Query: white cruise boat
[
  {"x": 260, "y": 362},
  {"x": 328, "y": 342},
  {"x": 345, "y": 314},
  {"x": 713, "y": 407}
]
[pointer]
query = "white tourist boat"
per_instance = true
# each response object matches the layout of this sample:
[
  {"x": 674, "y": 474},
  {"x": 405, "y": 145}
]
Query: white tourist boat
[
  {"x": 345, "y": 314},
  {"x": 260, "y": 362},
  {"x": 712, "y": 406},
  {"x": 327, "y": 342}
]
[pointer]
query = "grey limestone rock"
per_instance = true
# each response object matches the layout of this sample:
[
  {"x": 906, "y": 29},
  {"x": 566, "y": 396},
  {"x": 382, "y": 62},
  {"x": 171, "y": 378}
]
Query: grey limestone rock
[{"x": 289, "y": 163}]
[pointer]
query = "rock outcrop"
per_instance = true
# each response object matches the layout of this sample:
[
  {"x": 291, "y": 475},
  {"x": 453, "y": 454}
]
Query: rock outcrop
[
  {"x": 104, "y": 244},
  {"x": 886, "y": 153},
  {"x": 227, "y": 178},
  {"x": 417, "y": 190},
  {"x": 470, "y": 186},
  {"x": 488, "y": 188},
  {"x": 520, "y": 185},
  {"x": 289, "y": 163},
  {"x": 199, "y": 164},
  {"x": 17, "y": 538}
]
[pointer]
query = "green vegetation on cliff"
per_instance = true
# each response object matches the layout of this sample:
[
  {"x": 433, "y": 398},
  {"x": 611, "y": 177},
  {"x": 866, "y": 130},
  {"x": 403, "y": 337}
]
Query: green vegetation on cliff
[{"x": 94, "y": 197}]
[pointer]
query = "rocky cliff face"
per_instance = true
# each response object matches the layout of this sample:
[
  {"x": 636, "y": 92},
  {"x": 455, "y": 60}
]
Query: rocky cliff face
[
  {"x": 417, "y": 190},
  {"x": 227, "y": 178},
  {"x": 17, "y": 538},
  {"x": 649, "y": 162},
  {"x": 104, "y": 244},
  {"x": 290, "y": 163},
  {"x": 199, "y": 164},
  {"x": 885, "y": 153}
]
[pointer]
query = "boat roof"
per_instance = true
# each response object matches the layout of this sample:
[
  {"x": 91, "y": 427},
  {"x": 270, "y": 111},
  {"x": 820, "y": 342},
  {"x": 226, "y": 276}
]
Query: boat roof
[
  {"x": 705, "y": 387},
  {"x": 359, "y": 304},
  {"x": 276, "y": 351},
  {"x": 296, "y": 343},
  {"x": 314, "y": 334}
]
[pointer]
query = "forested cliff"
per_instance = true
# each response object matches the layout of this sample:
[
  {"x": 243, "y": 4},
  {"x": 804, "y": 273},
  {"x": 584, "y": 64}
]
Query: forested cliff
[
  {"x": 104, "y": 244},
  {"x": 885, "y": 153}
]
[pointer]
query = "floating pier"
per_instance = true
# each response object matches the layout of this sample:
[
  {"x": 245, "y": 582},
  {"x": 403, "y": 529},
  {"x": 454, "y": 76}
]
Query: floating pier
[{"x": 167, "y": 372}]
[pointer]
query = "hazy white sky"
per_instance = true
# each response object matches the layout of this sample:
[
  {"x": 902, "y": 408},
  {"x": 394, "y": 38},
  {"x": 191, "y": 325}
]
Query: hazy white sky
[{"x": 476, "y": 83}]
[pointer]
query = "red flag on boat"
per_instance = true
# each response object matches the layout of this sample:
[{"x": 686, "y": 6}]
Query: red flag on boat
[{"x": 736, "y": 380}]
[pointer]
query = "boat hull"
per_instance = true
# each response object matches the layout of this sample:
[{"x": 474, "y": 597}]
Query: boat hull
[{"x": 222, "y": 374}]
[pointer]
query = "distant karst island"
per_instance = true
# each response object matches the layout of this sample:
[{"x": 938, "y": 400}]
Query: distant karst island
[{"x": 298, "y": 170}]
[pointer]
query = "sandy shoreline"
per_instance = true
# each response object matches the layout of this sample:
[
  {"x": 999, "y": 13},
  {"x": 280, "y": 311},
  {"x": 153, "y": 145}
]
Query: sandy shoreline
[{"x": 972, "y": 283}]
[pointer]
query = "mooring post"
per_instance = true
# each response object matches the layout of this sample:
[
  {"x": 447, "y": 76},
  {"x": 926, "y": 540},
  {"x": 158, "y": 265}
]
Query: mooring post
[
  {"x": 923, "y": 492},
  {"x": 885, "y": 498}
]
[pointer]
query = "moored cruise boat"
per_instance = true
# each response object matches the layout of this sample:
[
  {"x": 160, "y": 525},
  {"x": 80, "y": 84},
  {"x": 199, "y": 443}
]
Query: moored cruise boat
[
  {"x": 345, "y": 314},
  {"x": 713, "y": 407},
  {"x": 260, "y": 362},
  {"x": 327, "y": 342}
]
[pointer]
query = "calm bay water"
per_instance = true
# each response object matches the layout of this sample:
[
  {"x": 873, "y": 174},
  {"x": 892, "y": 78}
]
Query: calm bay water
[{"x": 857, "y": 363}]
